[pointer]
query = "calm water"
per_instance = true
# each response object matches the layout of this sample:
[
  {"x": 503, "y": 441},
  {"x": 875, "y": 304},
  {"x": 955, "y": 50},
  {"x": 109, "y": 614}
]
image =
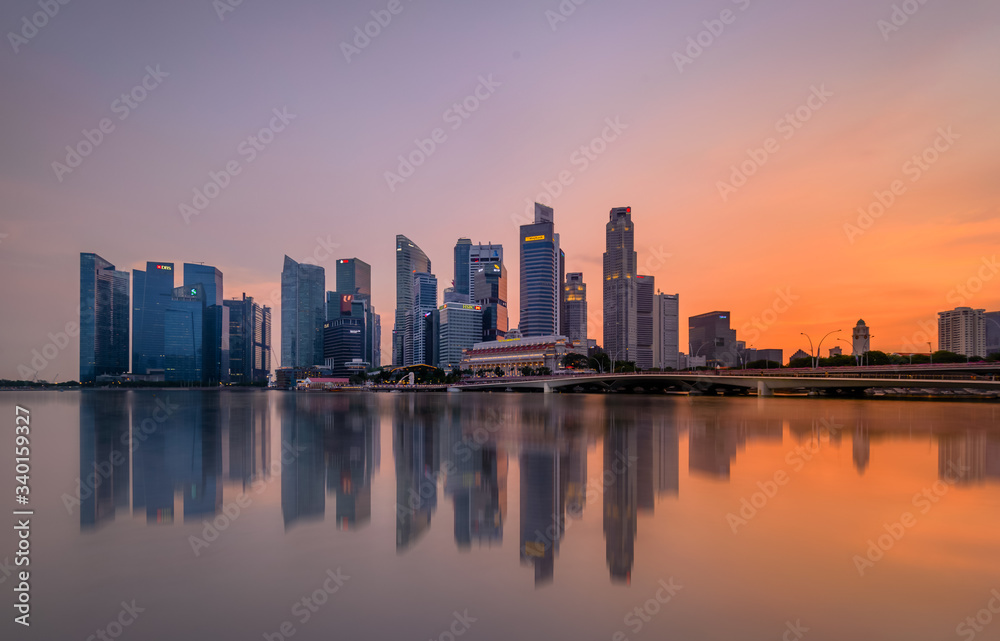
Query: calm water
[{"x": 504, "y": 516}]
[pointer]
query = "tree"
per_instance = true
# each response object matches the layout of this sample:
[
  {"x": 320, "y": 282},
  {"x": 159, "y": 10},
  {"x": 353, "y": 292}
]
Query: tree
[
  {"x": 601, "y": 362},
  {"x": 573, "y": 360},
  {"x": 498, "y": 371},
  {"x": 527, "y": 370},
  {"x": 543, "y": 371},
  {"x": 876, "y": 357},
  {"x": 837, "y": 361},
  {"x": 805, "y": 361}
]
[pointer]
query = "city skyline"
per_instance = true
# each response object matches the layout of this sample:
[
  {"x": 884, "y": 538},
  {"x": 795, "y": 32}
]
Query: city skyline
[{"x": 896, "y": 95}]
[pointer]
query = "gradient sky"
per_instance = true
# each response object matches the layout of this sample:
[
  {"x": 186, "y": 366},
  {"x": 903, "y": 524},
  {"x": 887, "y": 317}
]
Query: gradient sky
[{"x": 323, "y": 177}]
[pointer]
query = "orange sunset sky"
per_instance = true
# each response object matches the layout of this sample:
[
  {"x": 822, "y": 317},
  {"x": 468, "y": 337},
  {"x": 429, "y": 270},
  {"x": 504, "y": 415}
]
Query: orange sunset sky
[{"x": 881, "y": 97}]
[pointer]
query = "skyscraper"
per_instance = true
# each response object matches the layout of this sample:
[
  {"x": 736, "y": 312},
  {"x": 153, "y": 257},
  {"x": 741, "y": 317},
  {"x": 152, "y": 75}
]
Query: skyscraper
[
  {"x": 302, "y": 314},
  {"x": 963, "y": 331},
  {"x": 344, "y": 342},
  {"x": 490, "y": 285},
  {"x": 709, "y": 335},
  {"x": 151, "y": 292},
  {"x": 104, "y": 314},
  {"x": 421, "y": 336},
  {"x": 644, "y": 294},
  {"x": 666, "y": 331},
  {"x": 354, "y": 276},
  {"x": 409, "y": 260},
  {"x": 540, "y": 275},
  {"x": 184, "y": 335},
  {"x": 620, "y": 320},
  {"x": 482, "y": 257},
  {"x": 216, "y": 320},
  {"x": 463, "y": 279},
  {"x": 574, "y": 316},
  {"x": 353, "y": 298},
  {"x": 249, "y": 341},
  {"x": 460, "y": 326}
]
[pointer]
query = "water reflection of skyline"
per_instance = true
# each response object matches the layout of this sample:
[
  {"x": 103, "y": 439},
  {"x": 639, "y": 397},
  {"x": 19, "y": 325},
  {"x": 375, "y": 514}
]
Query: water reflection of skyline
[{"x": 191, "y": 459}]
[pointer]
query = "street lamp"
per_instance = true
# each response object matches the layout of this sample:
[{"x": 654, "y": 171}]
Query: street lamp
[
  {"x": 695, "y": 355},
  {"x": 857, "y": 358},
  {"x": 819, "y": 346},
  {"x": 930, "y": 350}
]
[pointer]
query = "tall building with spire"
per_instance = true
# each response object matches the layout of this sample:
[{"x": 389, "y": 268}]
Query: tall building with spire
[{"x": 620, "y": 311}]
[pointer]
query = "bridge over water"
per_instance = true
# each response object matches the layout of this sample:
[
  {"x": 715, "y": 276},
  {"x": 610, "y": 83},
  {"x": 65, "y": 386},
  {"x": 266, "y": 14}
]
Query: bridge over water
[{"x": 979, "y": 377}]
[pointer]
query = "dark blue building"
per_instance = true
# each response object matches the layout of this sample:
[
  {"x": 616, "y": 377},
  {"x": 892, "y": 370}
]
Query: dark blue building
[
  {"x": 216, "y": 329},
  {"x": 183, "y": 336},
  {"x": 104, "y": 318},
  {"x": 151, "y": 292},
  {"x": 540, "y": 275}
]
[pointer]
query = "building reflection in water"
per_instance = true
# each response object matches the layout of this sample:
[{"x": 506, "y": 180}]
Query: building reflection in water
[
  {"x": 104, "y": 456},
  {"x": 155, "y": 455},
  {"x": 417, "y": 454},
  {"x": 621, "y": 493},
  {"x": 179, "y": 446},
  {"x": 476, "y": 467},
  {"x": 861, "y": 446},
  {"x": 330, "y": 445},
  {"x": 353, "y": 454},
  {"x": 968, "y": 458}
]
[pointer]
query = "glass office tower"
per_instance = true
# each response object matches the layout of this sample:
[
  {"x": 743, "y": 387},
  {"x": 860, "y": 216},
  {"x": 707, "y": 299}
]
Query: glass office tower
[
  {"x": 460, "y": 326},
  {"x": 353, "y": 299},
  {"x": 303, "y": 288},
  {"x": 104, "y": 318},
  {"x": 249, "y": 341},
  {"x": 463, "y": 281},
  {"x": 183, "y": 335},
  {"x": 540, "y": 275},
  {"x": 620, "y": 334},
  {"x": 421, "y": 335},
  {"x": 490, "y": 285},
  {"x": 574, "y": 318},
  {"x": 216, "y": 339},
  {"x": 409, "y": 260},
  {"x": 151, "y": 292},
  {"x": 482, "y": 257},
  {"x": 354, "y": 276}
]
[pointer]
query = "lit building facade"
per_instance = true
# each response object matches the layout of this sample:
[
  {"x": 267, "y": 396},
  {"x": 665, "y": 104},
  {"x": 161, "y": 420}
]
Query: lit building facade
[
  {"x": 574, "y": 314},
  {"x": 540, "y": 285},
  {"x": 511, "y": 355},
  {"x": 490, "y": 284},
  {"x": 620, "y": 335},
  {"x": 460, "y": 326}
]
